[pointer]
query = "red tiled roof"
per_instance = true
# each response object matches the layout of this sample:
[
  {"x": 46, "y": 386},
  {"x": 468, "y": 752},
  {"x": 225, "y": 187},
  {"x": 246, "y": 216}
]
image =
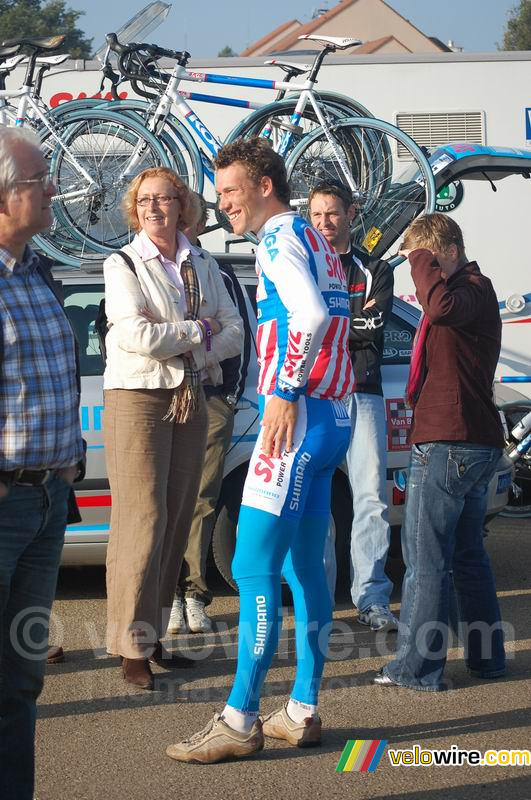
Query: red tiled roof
[
  {"x": 265, "y": 39},
  {"x": 376, "y": 44},
  {"x": 310, "y": 27}
]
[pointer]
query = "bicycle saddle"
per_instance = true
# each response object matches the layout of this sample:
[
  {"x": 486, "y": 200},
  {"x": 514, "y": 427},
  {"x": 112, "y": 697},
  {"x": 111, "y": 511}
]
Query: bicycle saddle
[
  {"x": 53, "y": 61},
  {"x": 7, "y": 52},
  {"x": 49, "y": 43},
  {"x": 289, "y": 66},
  {"x": 337, "y": 42},
  {"x": 10, "y": 63}
]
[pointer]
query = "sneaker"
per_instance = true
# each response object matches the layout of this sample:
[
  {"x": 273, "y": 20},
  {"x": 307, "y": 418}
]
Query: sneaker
[
  {"x": 196, "y": 616},
  {"x": 218, "y": 741},
  {"x": 279, "y": 725},
  {"x": 378, "y": 618},
  {"x": 177, "y": 623}
]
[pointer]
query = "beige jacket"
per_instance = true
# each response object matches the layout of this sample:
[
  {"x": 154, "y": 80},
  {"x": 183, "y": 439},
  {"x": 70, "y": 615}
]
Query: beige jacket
[{"x": 145, "y": 355}]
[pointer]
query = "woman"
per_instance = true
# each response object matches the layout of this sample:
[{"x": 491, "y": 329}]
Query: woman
[{"x": 171, "y": 322}]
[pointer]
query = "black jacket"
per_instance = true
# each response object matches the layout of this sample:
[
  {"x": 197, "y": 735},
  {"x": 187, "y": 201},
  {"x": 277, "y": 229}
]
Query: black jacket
[{"x": 367, "y": 279}]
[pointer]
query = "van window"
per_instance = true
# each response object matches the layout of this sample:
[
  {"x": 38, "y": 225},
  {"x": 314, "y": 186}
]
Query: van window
[
  {"x": 398, "y": 341},
  {"x": 81, "y": 306}
]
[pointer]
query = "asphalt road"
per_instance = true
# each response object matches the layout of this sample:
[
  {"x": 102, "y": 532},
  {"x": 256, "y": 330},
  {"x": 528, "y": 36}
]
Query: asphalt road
[{"x": 98, "y": 739}]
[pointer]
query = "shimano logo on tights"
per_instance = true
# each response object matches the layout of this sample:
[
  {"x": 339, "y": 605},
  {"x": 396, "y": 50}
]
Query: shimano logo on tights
[{"x": 261, "y": 625}]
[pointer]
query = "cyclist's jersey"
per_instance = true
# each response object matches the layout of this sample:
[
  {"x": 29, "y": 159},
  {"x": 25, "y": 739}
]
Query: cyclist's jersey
[{"x": 303, "y": 313}]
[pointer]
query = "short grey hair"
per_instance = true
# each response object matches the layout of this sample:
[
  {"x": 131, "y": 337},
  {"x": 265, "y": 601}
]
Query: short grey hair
[{"x": 9, "y": 169}]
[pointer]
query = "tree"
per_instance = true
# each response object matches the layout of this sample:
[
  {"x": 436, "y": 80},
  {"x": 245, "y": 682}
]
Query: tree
[
  {"x": 227, "y": 52},
  {"x": 37, "y": 19},
  {"x": 518, "y": 33}
]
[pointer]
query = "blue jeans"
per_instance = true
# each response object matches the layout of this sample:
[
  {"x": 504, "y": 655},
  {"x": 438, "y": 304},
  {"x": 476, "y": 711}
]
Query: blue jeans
[
  {"x": 367, "y": 471},
  {"x": 32, "y": 525},
  {"x": 443, "y": 532}
]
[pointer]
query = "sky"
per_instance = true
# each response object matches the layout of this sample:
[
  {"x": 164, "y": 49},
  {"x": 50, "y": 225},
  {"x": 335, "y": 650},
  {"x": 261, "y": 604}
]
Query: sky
[{"x": 205, "y": 27}]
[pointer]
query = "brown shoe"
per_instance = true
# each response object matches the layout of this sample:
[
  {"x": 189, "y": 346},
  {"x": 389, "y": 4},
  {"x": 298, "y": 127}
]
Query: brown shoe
[
  {"x": 279, "y": 725},
  {"x": 218, "y": 741},
  {"x": 164, "y": 658},
  {"x": 138, "y": 672},
  {"x": 55, "y": 655}
]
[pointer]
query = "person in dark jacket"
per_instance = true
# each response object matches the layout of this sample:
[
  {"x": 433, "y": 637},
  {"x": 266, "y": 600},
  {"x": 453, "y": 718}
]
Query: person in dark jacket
[
  {"x": 370, "y": 286},
  {"x": 192, "y": 595},
  {"x": 457, "y": 439}
]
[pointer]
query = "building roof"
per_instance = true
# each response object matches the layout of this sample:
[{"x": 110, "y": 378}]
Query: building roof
[
  {"x": 294, "y": 29},
  {"x": 270, "y": 36}
]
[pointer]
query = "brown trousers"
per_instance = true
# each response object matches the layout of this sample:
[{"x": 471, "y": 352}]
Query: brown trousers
[
  {"x": 192, "y": 581},
  {"x": 154, "y": 469}
]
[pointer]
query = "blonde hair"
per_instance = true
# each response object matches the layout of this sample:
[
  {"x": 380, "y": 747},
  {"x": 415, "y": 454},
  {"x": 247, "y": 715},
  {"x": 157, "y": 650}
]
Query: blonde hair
[
  {"x": 435, "y": 232},
  {"x": 184, "y": 196}
]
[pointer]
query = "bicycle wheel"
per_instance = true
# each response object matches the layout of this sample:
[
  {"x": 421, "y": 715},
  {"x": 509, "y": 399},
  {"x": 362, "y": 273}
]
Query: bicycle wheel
[
  {"x": 175, "y": 137},
  {"x": 390, "y": 177},
  {"x": 274, "y": 119},
  {"x": 110, "y": 150}
]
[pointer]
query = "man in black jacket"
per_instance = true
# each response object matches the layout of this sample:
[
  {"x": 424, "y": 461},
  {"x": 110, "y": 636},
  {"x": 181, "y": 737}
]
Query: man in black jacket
[{"x": 370, "y": 286}]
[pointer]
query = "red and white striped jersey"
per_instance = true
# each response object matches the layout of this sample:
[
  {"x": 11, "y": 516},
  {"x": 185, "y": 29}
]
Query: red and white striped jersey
[{"x": 303, "y": 313}]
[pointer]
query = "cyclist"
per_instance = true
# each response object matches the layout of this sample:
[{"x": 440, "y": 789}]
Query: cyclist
[{"x": 305, "y": 372}]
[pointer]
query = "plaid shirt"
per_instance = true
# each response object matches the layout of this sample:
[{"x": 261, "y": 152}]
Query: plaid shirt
[{"x": 39, "y": 418}]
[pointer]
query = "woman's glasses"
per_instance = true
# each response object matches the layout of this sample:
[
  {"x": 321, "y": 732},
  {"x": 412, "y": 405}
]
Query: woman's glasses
[{"x": 159, "y": 200}]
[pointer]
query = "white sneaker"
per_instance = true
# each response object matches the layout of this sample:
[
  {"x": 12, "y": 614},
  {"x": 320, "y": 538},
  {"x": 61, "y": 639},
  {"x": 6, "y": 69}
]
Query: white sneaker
[
  {"x": 197, "y": 618},
  {"x": 177, "y": 623}
]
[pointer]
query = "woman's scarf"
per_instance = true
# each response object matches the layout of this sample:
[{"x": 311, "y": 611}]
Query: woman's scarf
[{"x": 185, "y": 400}]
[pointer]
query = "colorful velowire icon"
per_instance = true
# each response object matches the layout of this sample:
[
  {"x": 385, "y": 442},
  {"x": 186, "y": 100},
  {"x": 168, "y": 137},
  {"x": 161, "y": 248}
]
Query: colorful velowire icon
[{"x": 361, "y": 755}]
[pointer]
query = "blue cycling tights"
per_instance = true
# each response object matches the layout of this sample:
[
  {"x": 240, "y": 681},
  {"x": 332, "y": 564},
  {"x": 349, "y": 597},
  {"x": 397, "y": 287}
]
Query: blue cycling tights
[{"x": 282, "y": 530}]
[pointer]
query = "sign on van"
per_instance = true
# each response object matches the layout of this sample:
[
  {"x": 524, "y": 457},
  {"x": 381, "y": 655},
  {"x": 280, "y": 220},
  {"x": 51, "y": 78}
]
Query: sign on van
[{"x": 528, "y": 125}]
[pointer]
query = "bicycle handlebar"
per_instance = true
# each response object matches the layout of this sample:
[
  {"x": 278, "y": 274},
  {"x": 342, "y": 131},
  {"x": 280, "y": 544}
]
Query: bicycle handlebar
[{"x": 152, "y": 50}]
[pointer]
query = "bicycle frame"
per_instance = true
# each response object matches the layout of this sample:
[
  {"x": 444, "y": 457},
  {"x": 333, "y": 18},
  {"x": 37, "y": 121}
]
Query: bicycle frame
[{"x": 172, "y": 95}]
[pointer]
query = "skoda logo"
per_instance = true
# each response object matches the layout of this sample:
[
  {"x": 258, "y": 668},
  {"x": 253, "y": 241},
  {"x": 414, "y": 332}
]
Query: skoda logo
[{"x": 449, "y": 197}]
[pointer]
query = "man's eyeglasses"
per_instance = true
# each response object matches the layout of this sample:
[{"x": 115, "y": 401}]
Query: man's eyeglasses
[
  {"x": 159, "y": 200},
  {"x": 46, "y": 181}
]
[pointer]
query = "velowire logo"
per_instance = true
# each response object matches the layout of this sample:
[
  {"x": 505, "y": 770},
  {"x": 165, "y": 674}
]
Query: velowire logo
[{"x": 361, "y": 755}]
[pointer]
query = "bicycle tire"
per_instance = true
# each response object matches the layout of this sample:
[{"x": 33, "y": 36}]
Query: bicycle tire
[
  {"x": 175, "y": 137},
  {"x": 102, "y": 142},
  {"x": 278, "y": 114},
  {"x": 387, "y": 197}
]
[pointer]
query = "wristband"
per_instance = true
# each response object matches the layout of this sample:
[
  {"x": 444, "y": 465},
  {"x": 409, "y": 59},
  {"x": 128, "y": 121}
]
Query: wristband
[
  {"x": 208, "y": 334},
  {"x": 286, "y": 391}
]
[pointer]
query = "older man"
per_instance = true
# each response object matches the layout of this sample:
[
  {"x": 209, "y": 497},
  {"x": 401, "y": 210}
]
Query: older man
[{"x": 40, "y": 450}]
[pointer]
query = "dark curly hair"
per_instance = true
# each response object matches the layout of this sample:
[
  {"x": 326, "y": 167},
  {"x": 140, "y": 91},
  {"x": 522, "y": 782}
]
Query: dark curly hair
[{"x": 260, "y": 161}]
